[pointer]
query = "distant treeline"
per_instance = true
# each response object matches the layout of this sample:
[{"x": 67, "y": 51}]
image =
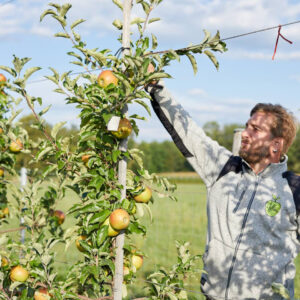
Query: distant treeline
[{"x": 160, "y": 156}]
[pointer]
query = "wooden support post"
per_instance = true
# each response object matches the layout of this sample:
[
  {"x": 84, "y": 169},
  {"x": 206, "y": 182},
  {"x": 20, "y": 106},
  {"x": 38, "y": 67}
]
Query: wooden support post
[
  {"x": 122, "y": 167},
  {"x": 23, "y": 182},
  {"x": 237, "y": 137}
]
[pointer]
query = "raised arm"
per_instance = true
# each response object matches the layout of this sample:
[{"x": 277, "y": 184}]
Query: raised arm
[{"x": 206, "y": 156}]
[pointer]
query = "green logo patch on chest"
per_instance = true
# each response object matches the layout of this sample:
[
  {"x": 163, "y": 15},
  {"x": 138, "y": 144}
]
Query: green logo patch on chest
[{"x": 273, "y": 206}]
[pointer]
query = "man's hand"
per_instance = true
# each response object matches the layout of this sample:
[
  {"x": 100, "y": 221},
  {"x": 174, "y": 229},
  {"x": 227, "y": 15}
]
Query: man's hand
[{"x": 153, "y": 83}]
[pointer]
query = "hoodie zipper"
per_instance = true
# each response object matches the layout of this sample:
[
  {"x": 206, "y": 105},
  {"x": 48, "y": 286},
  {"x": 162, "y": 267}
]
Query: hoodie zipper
[
  {"x": 240, "y": 239},
  {"x": 239, "y": 202}
]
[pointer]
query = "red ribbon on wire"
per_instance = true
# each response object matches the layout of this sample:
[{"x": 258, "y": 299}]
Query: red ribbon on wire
[{"x": 279, "y": 35}]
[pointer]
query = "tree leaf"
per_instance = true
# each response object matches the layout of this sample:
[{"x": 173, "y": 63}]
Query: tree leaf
[
  {"x": 212, "y": 58},
  {"x": 42, "y": 153},
  {"x": 141, "y": 102},
  {"x": 62, "y": 34},
  {"x": 45, "y": 110},
  {"x": 56, "y": 128},
  {"x": 100, "y": 217},
  {"x": 153, "y": 20},
  {"x": 154, "y": 42},
  {"x": 137, "y": 21},
  {"x": 102, "y": 234},
  {"x": 118, "y": 24},
  {"x": 64, "y": 9},
  {"x": 30, "y": 71},
  {"x": 193, "y": 62},
  {"x": 77, "y": 22},
  {"x": 47, "y": 12},
  {"x": 9, "y": 70},
  {"x": 118, "y": 3}
]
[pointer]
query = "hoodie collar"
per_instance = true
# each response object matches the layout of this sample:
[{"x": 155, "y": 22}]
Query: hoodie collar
[{"x": 279, "y": 167}]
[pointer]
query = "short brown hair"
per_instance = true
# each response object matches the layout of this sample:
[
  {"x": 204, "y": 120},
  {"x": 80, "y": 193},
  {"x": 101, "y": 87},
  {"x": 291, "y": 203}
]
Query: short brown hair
[{"x": 285, "y": 124}]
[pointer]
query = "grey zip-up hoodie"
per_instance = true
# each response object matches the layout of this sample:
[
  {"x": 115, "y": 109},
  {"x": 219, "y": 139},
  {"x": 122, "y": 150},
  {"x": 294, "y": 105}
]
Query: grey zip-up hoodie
[{"x": 253, "y": 223}]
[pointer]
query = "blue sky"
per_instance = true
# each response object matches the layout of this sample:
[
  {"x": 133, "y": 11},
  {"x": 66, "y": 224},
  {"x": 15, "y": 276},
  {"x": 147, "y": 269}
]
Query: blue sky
[{"x": 247, "y": 74}]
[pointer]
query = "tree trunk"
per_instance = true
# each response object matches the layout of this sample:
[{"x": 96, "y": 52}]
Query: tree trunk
[{"x": 122, "y": 168}]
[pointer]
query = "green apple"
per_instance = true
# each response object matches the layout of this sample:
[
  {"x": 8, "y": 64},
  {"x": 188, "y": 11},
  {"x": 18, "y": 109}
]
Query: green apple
[
  {"x": 18, "y": 273},
  {"x": 144, "y": 196}
]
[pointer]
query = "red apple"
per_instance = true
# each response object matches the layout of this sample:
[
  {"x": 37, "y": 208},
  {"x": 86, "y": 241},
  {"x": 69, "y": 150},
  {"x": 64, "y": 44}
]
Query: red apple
[
  {"x": 16, "y": 146},
  {"x": 144, "y": 196},
  {"x": 2, "y": 78},
  {"x": 41, "y": 294},
  {"x": 137, "y": 261},
  {"x": 124, "y": 129},
  {"x": 106, "y": 78},
  {"x": 60, "y": 216},
  {"x": 18, "y": 273},
  {"x": 111, "y": 231},
  {"x": 119, "y": 219}
]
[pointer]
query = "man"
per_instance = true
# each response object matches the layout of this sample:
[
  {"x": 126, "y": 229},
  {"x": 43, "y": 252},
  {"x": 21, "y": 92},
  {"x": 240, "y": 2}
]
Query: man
[{"x": 253, "y": 205}]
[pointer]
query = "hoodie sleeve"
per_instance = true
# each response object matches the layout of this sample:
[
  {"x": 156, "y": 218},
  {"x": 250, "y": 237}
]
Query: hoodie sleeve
[{"x": 206, "y": 156}]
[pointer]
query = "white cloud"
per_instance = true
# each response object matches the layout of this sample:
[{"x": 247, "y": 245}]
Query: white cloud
[
  {"x": 196, "y": 92},
  {"x": 42, "y": 31}
]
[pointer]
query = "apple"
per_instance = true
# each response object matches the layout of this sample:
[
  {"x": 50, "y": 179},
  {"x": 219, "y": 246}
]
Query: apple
[
  {"x": 2, "y": 78},
  {"x": 106, "y": 78},
  {"x": 85, "y": 158},
  {"x": 111, "y": 231},
  {"x": 1, "y": 130},
  {"x": 60, "y": 216},
  {"x": 4, "y": 261},
  {"x": 41, "y": 294},
  {"x": 4, "y": 212},
  {"x": 16, "y": 146},
  {"x": 124, "y": 129},
  {"x": 81, "y": 238},
  {"x": 126, "y": 270},
  {"x": 119, "y": 219},
  {"x": 1, "y": 172},
  {"x": 144, "y": 196},
  {"x": 18, "y": 273},
  {"x": 137, "y": 261}
]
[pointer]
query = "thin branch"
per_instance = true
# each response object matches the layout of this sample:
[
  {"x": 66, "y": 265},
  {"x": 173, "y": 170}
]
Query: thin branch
[
  {"x": 87, "y": 298},
  {"x": 12, "y": 229},
  {"x": 38, "y": 119},
  {"x": 147, "y": 18},
  {"x": 5, "y": 294}
]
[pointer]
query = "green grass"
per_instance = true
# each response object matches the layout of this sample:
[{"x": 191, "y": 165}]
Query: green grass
[{"x": 184, "y": 220}]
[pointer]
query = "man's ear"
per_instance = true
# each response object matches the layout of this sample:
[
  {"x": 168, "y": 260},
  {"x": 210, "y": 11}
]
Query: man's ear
[{"x": 277, "y": 145}]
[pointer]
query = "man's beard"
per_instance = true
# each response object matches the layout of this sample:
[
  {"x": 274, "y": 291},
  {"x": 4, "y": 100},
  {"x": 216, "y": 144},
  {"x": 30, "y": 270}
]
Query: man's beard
[{"x": 255, "y": 156}]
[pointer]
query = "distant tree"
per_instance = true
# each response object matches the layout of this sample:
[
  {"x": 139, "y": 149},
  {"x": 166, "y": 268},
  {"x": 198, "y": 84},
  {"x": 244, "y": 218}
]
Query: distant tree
[
  {"x": 161, "y": 157},
  {"x": 294, "y": 155}
]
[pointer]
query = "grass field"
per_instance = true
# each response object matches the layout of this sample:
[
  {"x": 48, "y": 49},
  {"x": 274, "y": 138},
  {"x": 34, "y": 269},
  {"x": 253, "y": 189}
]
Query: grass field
[{"x": 184, "y": 220}]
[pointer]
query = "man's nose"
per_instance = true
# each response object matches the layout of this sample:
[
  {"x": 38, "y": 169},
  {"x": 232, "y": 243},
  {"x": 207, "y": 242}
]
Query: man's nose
[{"x": 245, "y": 133}]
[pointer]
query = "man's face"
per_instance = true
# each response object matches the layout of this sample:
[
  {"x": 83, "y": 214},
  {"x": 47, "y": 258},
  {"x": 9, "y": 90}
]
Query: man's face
[{"x": 256, "y": 138}]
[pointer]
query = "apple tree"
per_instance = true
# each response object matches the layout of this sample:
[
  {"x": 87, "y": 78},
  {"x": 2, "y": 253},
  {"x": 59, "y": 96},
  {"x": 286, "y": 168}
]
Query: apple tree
[{"x": 103, "y": 213}]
